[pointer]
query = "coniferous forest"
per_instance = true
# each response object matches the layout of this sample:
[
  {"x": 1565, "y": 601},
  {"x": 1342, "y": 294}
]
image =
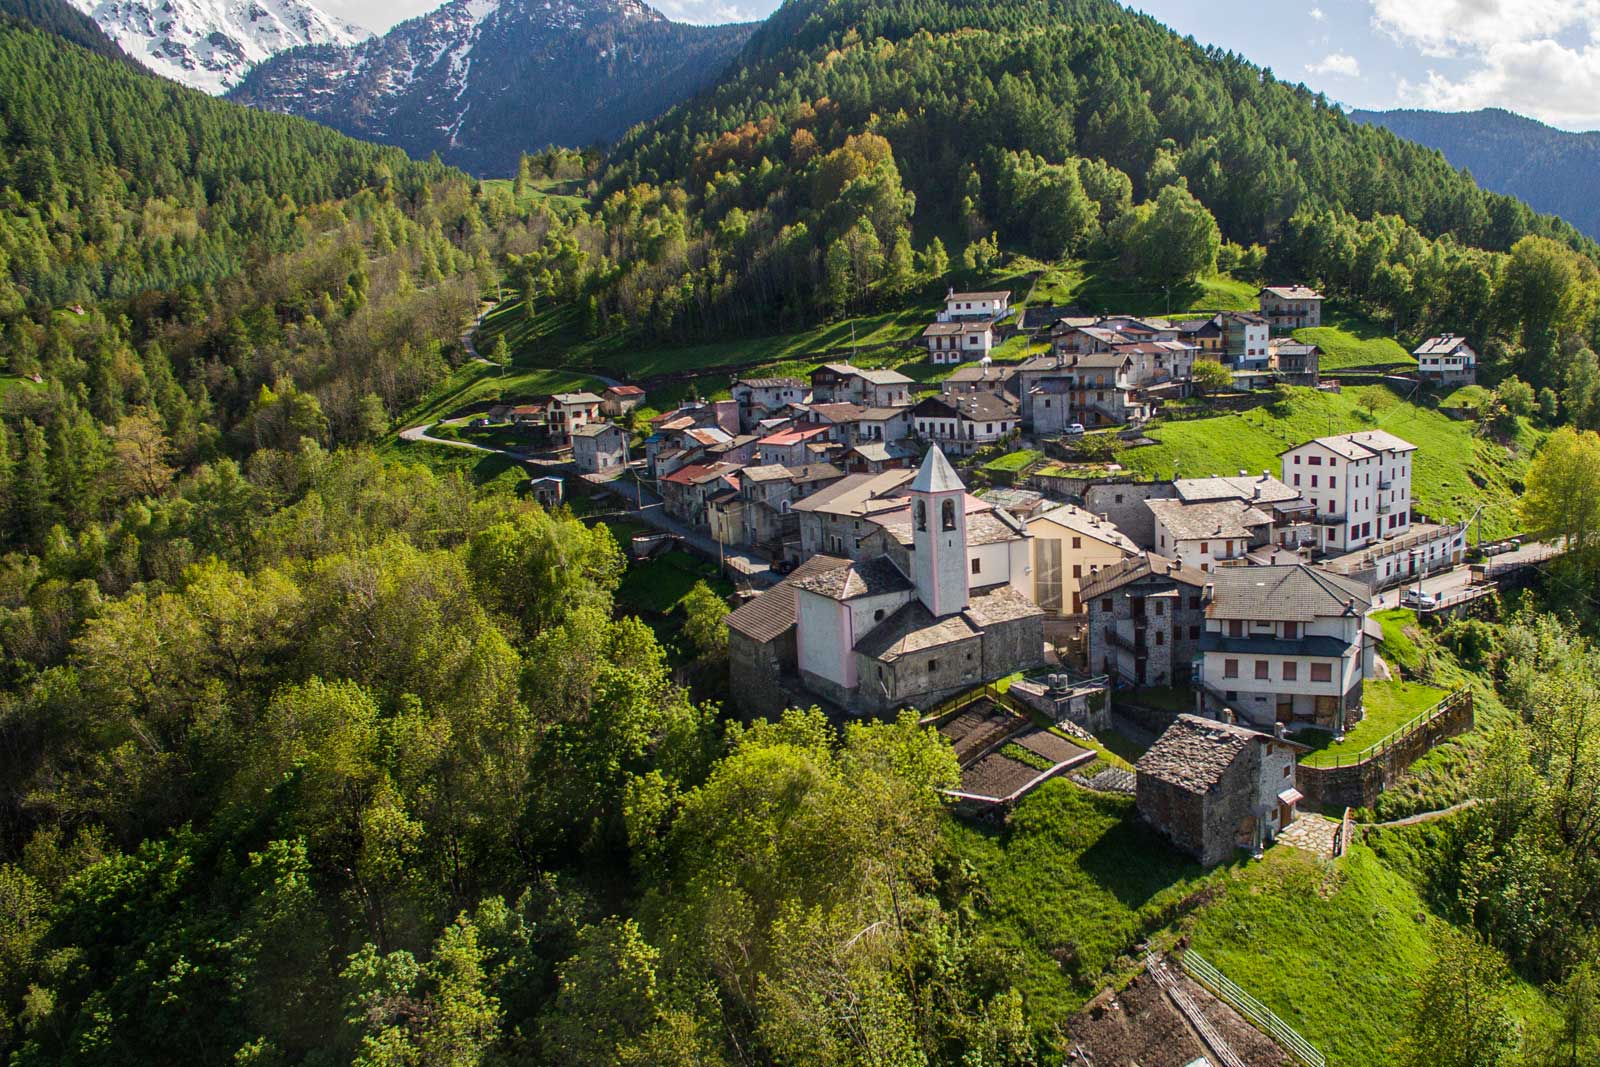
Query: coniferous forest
[{"x": 313, "y": 754}]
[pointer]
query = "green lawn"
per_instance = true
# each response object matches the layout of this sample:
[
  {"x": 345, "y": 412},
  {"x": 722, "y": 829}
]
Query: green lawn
[
  {"x": 12, "y": 382},
  {"x": 1389, "y": 705},
  {"x": 1349, "y": 340},
  {"x": 480, "y": 381},
  {"x": 1068, "y": 886},
  {"x": 484, "y": 468},
  {"x": 566, "y": 196},
  {"x": 1455, "y": 470},
  {"x": 1398, "y": 648},
  {"x": 1097, "y": 288},
  {"x": 1165, "y": 697},
  {"x": 1011, "y": 462},
  {"x": 1335, "y": 955},
  {"x": 1467, "y": 396}
]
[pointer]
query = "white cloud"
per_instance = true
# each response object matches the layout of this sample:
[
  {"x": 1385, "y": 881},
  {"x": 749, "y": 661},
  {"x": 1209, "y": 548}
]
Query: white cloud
[
  {"x": 1447, "y": 27},
  {"x": 1318, "y": 14},
  {"x": 1541, "y": 78},
  {"x": 1342, "y": 64}
]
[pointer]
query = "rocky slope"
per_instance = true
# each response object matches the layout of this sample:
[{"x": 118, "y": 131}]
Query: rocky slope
[
  {"x": 480, "y": 81},
  {"x": 209, "y": 44}
]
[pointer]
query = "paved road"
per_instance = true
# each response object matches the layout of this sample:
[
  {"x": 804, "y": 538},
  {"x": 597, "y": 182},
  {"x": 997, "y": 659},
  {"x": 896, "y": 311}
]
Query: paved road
[
  {"x": 1458, "y": 578},
  {"x": 744, "y": 565}
]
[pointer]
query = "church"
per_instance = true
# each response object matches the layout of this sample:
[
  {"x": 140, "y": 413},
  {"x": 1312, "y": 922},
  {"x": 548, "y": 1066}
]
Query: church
[{"x": 892, "y": 631}]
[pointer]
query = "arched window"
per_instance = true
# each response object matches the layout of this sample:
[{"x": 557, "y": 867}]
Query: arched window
[
  {"x": 947, "y": 514},
  {"x": 922, "y": 514}
]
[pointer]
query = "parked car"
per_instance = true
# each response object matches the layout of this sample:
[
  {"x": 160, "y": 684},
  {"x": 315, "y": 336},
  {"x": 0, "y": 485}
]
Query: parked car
[
  {"x": 1418, "y": 598},
  {"x": 1075, "y": 429}
]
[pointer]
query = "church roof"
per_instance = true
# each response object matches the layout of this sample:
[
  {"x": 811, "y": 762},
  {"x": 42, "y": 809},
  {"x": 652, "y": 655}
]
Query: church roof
[
  {"x": 936, "y": 475},
  {"x": 767, "y": 616},
  {"x": 872, "y": 577},
  {"x": 913, "y": 629}
]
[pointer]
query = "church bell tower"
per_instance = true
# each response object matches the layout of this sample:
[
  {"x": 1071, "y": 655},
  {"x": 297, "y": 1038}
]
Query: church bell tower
[{"x": 939, "y": 535}]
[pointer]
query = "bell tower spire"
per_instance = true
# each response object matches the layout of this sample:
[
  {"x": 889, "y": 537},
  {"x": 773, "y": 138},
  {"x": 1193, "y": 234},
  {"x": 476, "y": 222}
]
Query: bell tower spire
[{"x": 939, "y": 535}]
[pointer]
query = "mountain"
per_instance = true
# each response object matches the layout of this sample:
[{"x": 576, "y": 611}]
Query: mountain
[
  {"x": 481, "y": 81},
  {"x": 209, "y": 44},
  {"x": 65, "y": 21},
  {"x": 1553, "y": 170}
]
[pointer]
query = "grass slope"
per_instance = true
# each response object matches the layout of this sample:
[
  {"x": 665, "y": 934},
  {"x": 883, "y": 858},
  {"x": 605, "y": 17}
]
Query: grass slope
[
  {"x": 1389, "y": 706},
  {"x": 1350, "y": 340},
  {"x": 1455, "y": 471},
  {"x": 1098, "y": 289}
]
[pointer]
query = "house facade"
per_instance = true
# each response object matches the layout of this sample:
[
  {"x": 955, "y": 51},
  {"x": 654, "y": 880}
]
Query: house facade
[
  {"x": 843, "y": 383},
  {"x": 1290, "y": 307},
  {"x": 1204, "y": 534},
  {"x": 958, "y": 342},
  {"x": 1146, "y": 618},
  {"x": 1070, "y": 546},
  {"x": 599, "y": 448},
  {"x": 618, "y": 400},
  {"x": 986, "y": 305},
  {"x": 759, "y": 398},
  {"x": 1245, "y": 340},
  {"x": 1447, "y": 360},
  {"x": 1288, "y": 644},
  {"x": 1360, "y": 484},
  {"x": 566, "y": 412},
  {"x": 964, "y": 423}
]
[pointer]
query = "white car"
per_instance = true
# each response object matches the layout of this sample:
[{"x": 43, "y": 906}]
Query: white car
[
  {"x": 1075, "y": 429},
  {"x": 1418, "y": 598}
]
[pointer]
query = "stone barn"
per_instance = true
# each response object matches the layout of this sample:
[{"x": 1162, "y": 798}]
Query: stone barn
[{"x": 1213, "y": 788}]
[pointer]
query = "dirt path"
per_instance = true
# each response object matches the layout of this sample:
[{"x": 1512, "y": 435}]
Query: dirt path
[{"x": 1424, "y": 816}]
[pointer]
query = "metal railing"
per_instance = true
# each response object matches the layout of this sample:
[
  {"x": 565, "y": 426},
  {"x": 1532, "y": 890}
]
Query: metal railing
[
  {"x": 1420, "y": 722},
  {"x": 1258, "y": 1013},
  {"x": 1185, "y": 1004}
]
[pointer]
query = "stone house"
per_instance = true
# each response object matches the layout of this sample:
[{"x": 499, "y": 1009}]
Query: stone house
[
  {"x": 1123, "y": 503},
  {"x": 875, "y": 457},
  {"x": 567, "y": 412},
  {"x": 1146, "y": 620},
  {"x": 686, "y": 491},
  {"x": 1212, "y": 788},
  {"x": 599, "y": 447},
  {"x": 770, "y": 493},
  {"x": 760, "y": 398},
  {"x": 985, "y": 376},
  {"x": 842, "y": 382},
  {"x": 618, "y": 400},
  {"x": 1290, "y": 307},
  {"x": 1292, "y": 515},
  {"x": 962, "y": 423},
  {"x": 1296, "y": 362},
  {"x": 837, "y": 518},
  {"x": 1204, "y": 534},
  {"x": 790, "y": 448}
]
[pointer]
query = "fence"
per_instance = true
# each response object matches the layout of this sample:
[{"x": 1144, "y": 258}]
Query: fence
[
  {"x": 1341, "y": 835},
  {"x": 1258, "y": 1013},
  {"x": 1416, "y": 725}
]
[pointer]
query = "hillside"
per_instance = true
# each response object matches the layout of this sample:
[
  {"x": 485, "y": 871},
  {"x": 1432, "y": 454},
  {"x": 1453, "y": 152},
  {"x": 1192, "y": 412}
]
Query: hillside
[
  {"x": 1553, "y": 170},
  {"x": 65, "y": 21},
  {"x": 156, "y": 185},
  {"x": 482, "y": 81}
]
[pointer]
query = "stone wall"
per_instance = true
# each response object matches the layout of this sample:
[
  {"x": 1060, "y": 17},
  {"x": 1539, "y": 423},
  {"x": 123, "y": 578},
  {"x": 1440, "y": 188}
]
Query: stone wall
[
  {"x": 1207, "y": 826},
  {"x": 1124, "y": 504},
  {"x": 756, "y": 670},
  {"x": 1359, "y": 785},
  {"x": 1013, "y": 646}
]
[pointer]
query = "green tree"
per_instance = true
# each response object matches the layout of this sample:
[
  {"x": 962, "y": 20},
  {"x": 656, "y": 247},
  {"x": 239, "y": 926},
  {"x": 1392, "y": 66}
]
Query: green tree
[
  {"x": 1460, "y": 1017},
  {"x": 704, "y": 612},
  {"x": 1210, "y": 376},
  {"x": 1562, "y": 498}
]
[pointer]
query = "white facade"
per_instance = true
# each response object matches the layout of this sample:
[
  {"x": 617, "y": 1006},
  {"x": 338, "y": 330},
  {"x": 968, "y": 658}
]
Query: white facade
[
  {"x": 989, "y": 305},
  {"x": 1447, "y": 361},
  {"x": 939, "y": 560},
  {"x": 1359, "y": 483}
]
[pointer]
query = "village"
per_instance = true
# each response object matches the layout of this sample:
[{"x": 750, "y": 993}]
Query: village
[{"x": 1219, "y": 626}]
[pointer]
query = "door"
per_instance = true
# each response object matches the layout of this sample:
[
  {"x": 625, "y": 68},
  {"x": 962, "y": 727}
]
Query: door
[{"x": 1285, "y": 707}]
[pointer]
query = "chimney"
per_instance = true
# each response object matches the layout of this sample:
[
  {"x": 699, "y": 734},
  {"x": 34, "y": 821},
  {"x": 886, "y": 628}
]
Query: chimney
[
  {"x": 1279, "y": 731},
  {"x": 1244, "y": 473},
  {"x": 1264, "y": 474}
]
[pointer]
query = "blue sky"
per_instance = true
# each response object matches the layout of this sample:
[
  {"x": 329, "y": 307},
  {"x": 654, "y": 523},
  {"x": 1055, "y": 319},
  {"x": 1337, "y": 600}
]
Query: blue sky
[{"x": 1536, "y": 57}]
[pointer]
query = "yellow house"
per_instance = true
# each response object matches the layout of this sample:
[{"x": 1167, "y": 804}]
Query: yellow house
[{"x": 1069, "y": 545}]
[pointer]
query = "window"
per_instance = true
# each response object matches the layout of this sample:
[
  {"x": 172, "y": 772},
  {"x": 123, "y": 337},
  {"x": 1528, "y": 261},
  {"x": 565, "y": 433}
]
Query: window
[
  {"x": 1291, "y": 630},
  {"x": 1194, "y": 633},
  {"x": 1315, "y": 461},
  {"x": 1313, "y": 481},
  {"x": 1205, "y": 546},
  {"x": 947, "y": 514},
  {"x": 877, "y": 616},
  {"x": 1321, "y": 672},
  {"x": 1230, "y": 668},
  {"x": 1105, "y": 604},
  {"x": 977, "y": 565},
  {"x": 922, "y": 514},
  {"x": 1263, "y": 669},
  {"x": 1077, "y": 542},
  {"x": 1333, "y": 483},
  {"x": 1291, "y": 670},
  {"x": 933, "y": 665},
  {"x": 1235, "y": 627},
  {"x": 1077, "y": 570},
  {"x": 1118, "y": 498},
  {"x": 1161, "y": 639},
  {"x": 1288, "y": 769},
  {"x": 1297, "y": 478}
]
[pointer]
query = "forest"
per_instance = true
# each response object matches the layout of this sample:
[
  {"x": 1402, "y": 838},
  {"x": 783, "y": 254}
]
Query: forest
[{"x": 313, "y": 755}]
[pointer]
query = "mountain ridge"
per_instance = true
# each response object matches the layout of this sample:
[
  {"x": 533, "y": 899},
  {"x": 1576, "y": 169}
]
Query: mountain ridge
[
  {"x": 1553, "y": 170},
  {"x": 481, "y": 81}
]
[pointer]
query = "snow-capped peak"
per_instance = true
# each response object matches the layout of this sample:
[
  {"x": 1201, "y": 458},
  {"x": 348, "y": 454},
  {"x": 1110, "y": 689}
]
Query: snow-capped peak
[{"x": 209, "y": 44}]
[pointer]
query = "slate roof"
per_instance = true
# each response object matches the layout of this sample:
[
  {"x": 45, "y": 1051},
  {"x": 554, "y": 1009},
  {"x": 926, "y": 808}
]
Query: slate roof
[
  {"x": 855, "y": 493},
  {"x": 814, "y": 472},
  {"x": 988, "y": 527},
  {"x": 1295, "y": 592},
  {"x": 949, "y": 329},
  {"x": 844, "y": 411},
  {"x": 1110, "y": 579},
  {"x": 998, "y": 605},
  {"x": 913, "y": 629},
  {"x": 872, "y": 577},
  {"x": 770, "y": 383},
  {"x": 997, "y": 294},
  {"x": 1194, "y": 753},
  {"x": 767, "y": 616},
  {"x": 1037, "y": 318},
  {"x": 595, "y": 429},
  {"x": 1264, "y": 489},
  {"x": 1362, "y": 444},
  {"x": 767, "y": 472},
  {"x": 1217, "y": 518},
  {"x": 1293, "y": 292},
  {"x": 976, "y": 406},
  {"x": 1087, "y": 523},
  {"x": 936, "y": 475},
  {"x": 575, "y": 398},
  {"x": 1440, "y": 346},
  {"x": 981, "y": 372}
]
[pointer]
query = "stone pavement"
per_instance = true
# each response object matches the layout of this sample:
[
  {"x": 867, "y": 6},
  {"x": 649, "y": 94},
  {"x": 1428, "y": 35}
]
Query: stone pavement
[{"x": 1311, "y": 833}]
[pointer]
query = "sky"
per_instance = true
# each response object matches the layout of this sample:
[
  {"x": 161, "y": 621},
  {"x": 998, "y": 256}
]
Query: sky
[{"x": 1535, "y": 57}]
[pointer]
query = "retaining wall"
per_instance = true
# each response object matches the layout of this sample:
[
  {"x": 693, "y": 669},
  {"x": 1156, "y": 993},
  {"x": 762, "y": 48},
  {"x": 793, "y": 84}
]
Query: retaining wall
[{"x": 1358, "y": 785}]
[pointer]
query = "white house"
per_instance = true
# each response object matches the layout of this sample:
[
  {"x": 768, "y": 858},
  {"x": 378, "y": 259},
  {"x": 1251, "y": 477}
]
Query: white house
[
  {"x": 1447, "y": 360},
  {"x": 991, "y": 306},
  {"x": 959, "y": 342},
  {"x": 1360, "y": 483},
  {"x": 598, "y": 447},
  {"x": 1290, "y": 307},
  {"x": 566, "y": 412},
  {"x": 1288, "y": 643},
  {"x": 1204, "y": 534}
]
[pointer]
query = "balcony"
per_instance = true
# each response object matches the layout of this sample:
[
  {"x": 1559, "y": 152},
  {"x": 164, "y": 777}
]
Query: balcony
[
  {"x": 1385, "y": 482},
  {"x": 1384, "y": 507}
]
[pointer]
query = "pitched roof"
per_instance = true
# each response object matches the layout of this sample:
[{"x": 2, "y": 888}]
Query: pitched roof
[
  {"x": 950, "y": 329},
  {"x": 884, "y": 377},
  {"x": 793, "y": 435},
  {"x": 913, "y": 629},
  {"x": 1361, "y": 444},
  {"x": 975, "y": 406},
  {"x": 1211, "y": 518},
  {"x": 1440, "y": 346},
  {"x": 998, "y": 605},
  {"x": 595, "y": 429},
  {"x": 1263, "y": 489},
  {"x": 1295, "y": 592},
  {"x": 766, "y": 472},
  {"x": 700, "y": 473},
  {"x": 936, "y": 475},
  {"x": 985, "y": 525},
  {"x": 840, "y": 412},
  {"x": 814, "y": 472},
  {"x": 997, "y": 294},
  {"x": 575, "y": 398},
  {"x": 708, "y": 435},
  {"x": 872, "y": 577},
  {"x": 766, "y": 617},
  {"x": 625, "y": 390},
  {"x": 1110, "y": 579},
  {"x": 770, "y": 383},
  {"x": 1079, "y": 521},
  {"x": 857, "y": 494},
  {"x": 1194, "y": 753},
  {"x": 1292, "y": 292},
  {"x": 982, "y": 372}
]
